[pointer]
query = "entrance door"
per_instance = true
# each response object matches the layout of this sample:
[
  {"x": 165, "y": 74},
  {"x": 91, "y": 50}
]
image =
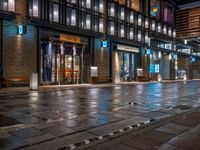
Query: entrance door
[
  {"x": 127, "y": 66},
  {"x": 61, "y": 64}
]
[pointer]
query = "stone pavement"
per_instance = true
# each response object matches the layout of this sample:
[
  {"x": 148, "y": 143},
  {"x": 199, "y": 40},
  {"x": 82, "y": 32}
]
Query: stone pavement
[{"x": 80, "y": 118}]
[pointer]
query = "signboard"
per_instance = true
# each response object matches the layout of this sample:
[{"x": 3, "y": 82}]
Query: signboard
[
  {"x": 128, "y": 48},
  {"x": 94, "y": 71},
  {"x": 21, "y": 29},
  {"x": 70, "y": 38},
  {"x": 157, "y": 68},
  {"x": 151, "y": 68},
  {"x": 104, "y": 44},
  {"x": 148, "y": 51},
  {"x": 139, "y": 72}
]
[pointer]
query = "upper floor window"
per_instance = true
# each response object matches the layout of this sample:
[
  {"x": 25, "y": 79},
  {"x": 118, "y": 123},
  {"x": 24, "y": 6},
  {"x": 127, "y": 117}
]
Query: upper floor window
[
  {"x": 134, "y": 4},
  {"x": 121, "y": 13},
  {"x": 71, "y": 16},
  {"x": 34, "y": 8},
  {"x": 85, "y": 21},
  {"x": 121, "y": 2},
  {"x": 111, "y": 9},
  {"x": 168, "y": 14},
  {"x": 99, "y": 6},
  {"x": 85, "y": 3},
  {"x": 53, "y": 12},
  {"x": 71, "y": 1},
  {"x": 111, "y": 28},
  {"x": 7, "y": 5}
]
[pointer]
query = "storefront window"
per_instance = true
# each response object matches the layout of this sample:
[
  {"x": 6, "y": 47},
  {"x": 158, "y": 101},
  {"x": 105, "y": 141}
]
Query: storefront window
[
  {"x": 53, "y": 12},
  {"x": 71, "y": 16},
  {"x": 34, "y": 8},
  {"x": 7, "y": 5},
  {"x": 155, "y": 8}
]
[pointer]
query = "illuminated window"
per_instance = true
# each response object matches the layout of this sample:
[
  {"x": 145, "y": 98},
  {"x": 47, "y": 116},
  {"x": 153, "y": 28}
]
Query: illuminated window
[
  {"x": 146, "y": 23},
  {"x": 101, "y": 25},
  {"x": 53, "y": 12},
  {"x": 71, "y": 17},
  {"x": 153, "y": 25},
  {"x": 111, "y": 28},
  {"x": 72, "y": 1},
  {"x": 121, "y": 13},
  {"x": 85, "y": 3},
  {"x": 159, "y": 27},
  {"x": 139, "y": 20},
  {"x": 85, "y": 21},
  {"x": 111, "y": 10},
  {"x": 121, "y": 30},
  {"x": 135, "y": 4},
  {"x": 7, "y": 5},
  {"x": 121, "y": 2},
  {"x": 168, "y": 13},
  {"x": 34, "y": 8},
  {"x": 130, "y": 33},
  {"x": 139, "y": 35}
]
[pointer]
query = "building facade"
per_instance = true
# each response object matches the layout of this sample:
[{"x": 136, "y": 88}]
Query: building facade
[{"x": 63, "y": 40}]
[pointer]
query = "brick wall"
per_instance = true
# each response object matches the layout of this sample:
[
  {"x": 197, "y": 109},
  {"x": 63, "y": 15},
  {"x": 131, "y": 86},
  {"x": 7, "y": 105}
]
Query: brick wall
[
  {"x": 19, "y": 51},
  {"x": 102, "y": 61}
]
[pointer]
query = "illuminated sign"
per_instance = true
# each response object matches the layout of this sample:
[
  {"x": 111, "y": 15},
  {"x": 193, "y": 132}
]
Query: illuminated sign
[
  {"x": 105, "y": 44},
  {"x": 151, "y": 68},
  {"x": 70, "y": 38},
  {"x": 21, "y": 29},
  {"x": 193, "y": 59},
  {"x": 148, "y": 51},
  {"x": 157, "y": 68}
]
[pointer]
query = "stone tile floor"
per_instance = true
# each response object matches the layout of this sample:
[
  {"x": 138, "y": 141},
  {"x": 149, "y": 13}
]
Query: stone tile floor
[{"x": 52, "y": 119}]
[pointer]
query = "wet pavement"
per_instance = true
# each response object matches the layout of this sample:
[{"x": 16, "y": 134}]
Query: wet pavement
[{"x": 64, "y": 118}]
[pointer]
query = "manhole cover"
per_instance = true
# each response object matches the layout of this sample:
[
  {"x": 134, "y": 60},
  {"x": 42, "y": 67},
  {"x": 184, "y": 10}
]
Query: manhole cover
[{"x": 7, "y": 121}]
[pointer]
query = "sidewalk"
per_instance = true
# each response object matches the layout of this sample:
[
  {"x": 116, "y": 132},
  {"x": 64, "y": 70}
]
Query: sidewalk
[
  {"x": 181, "y": 132},
  {"x": 25, "y": 90}
]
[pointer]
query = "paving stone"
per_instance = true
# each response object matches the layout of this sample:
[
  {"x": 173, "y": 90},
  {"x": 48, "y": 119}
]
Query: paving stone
[
  {"x": 58, "y": 130},
  {"x": 11, "y": 142},
  {"x": 39, "y": 139},
  {"x": 158, "y": 136},
  {"x": 170, "y": 147},
  {"x": 27, "y": 133},
  {"x": 172, "y": 128},
  {"x": 138, "y": 142},
  {"x": 112, "y": 145}
]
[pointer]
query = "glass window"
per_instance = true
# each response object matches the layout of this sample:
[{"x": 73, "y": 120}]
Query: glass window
[
  {"x": 111, "y": 28},
  {"x": 85, "y": 3},
  {"x": 139, "y": 20},
  {"x": 168, "y": 14},
  {"x": 146, "y": 37},
  {"x": 34, "y": 8},
  {"x": 121, "y": 30},
  {"x": 135, "y": 4},
  {"x": 121, "y": 13},
  {"x": 7, "y": 5},
  {"x": 85, "y": 21},
  {"x": 130, "y": 33},
  {"x": 111, "y": 10},
  {"x": 155, "y": 8},
  {"x": 131, "y": 17},
  {"x": 53, "y": 12},
  {"x": 164, "y": 29},
  {"x": 95, "y": 26},
  {"x": 98, "y": 6},
  {"x": 101, "y": 25},
  {"x": 153, "y": 25},
  {"x": 139, "y": 35},
  {"x": 71, "y": 16},
  {"x": 169, "y": 31},
  {"x": 121, "y": 2},
  {"x": 146, "y": 23},
  {"x": 71, "y": 1}
]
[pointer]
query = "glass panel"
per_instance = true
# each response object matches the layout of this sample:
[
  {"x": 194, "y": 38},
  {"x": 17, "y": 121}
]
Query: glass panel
[{"x": 68, "y": 68}]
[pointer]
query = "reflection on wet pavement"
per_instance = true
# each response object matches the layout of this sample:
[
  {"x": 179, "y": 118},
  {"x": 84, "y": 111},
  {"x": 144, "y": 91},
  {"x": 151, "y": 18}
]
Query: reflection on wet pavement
[{"x": 55, "y": 115}]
